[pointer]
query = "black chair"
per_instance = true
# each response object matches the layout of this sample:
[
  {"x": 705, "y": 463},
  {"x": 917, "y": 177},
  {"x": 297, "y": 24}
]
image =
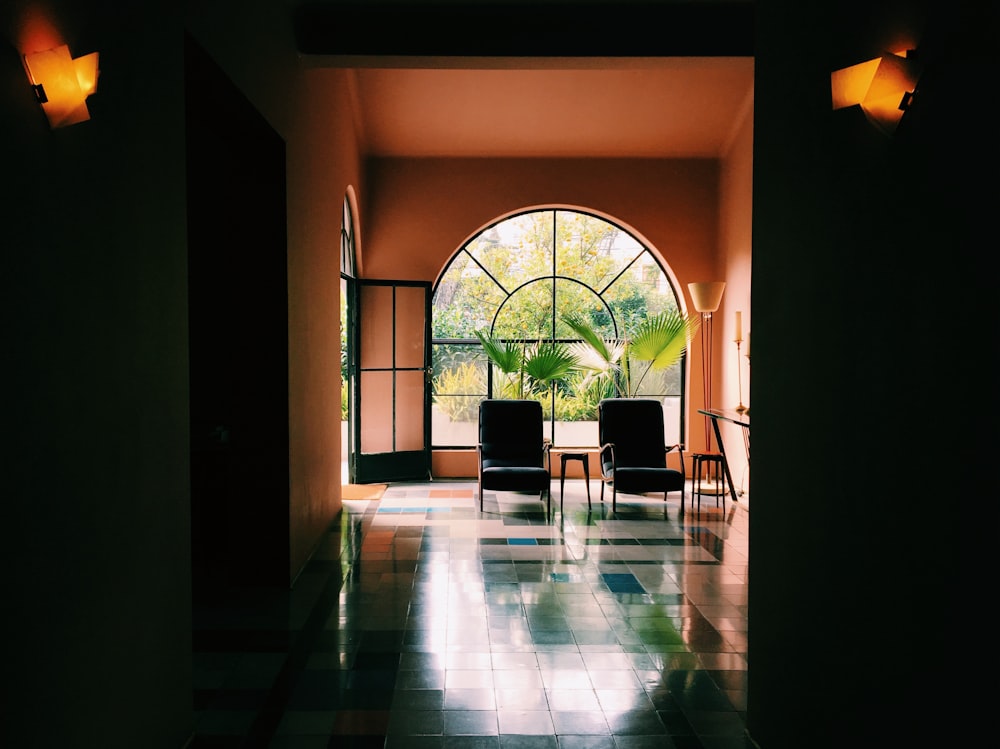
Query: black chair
[
  {"x": 634, "y": 450},
  {"x": 513, "y": 453}
]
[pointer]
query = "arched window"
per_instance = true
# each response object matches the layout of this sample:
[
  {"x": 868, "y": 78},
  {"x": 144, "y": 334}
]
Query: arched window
[
  {"x": 348, "y": 258},
  {"x": 517, "y": 279},
  {"x": 348, "y": 274}
]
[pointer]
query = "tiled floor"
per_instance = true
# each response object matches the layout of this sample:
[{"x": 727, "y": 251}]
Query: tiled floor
[{"x": 424, "y": 623}]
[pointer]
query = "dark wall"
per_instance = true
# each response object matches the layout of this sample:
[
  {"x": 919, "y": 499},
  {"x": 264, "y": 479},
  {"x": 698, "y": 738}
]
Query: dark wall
[
  {"x": 869, "y": 294},
  {"x": 96, "y": 556},
  {"x": 238, "y": 324}
]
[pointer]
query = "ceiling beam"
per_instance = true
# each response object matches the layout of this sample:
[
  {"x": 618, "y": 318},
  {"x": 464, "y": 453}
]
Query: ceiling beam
[{"x": 539, "y": 29}]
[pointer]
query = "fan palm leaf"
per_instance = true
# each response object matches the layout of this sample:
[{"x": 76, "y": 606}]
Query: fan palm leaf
[
  {"x": 662, "y": 338},
  {"x": 596, "y": 354},
  {"x": 507, "y": 356},
  {"x": 547, "y": 361},
  {"x": 542, "y": 363},
  {"x": 607, "y": 350}
]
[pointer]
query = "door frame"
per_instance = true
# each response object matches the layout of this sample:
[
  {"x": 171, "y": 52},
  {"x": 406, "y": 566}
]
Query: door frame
[{"x": 394, "y": 464}]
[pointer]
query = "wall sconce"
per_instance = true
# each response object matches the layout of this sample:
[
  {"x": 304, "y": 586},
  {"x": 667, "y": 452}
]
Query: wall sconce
[
  {"x": 62, "y": 84},
  {"x": 883, "y": 87}
]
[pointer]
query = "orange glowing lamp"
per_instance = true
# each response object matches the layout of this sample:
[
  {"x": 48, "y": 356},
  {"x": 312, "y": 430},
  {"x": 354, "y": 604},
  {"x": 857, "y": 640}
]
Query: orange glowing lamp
[
  {"x": 62, "y": 84},
  {"x": 883, "y": 88}
]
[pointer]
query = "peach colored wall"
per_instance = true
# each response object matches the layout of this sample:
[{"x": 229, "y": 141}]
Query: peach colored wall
[
  {"x": 418, "y": 212},
  {"x": 454, "y": 463},
  {"x": 735, "y": 224},
  {"x": 323, "y": 161}
]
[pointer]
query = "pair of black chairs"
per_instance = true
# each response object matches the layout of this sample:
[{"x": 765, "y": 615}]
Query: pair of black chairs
[{"x": 514, "y": 454}]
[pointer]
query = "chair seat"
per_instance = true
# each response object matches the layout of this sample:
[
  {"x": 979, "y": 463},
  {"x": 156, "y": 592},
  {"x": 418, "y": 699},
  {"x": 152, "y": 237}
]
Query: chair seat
[
  {"x": 513, "y": 477},
  {"x": 639, "y": 479}
]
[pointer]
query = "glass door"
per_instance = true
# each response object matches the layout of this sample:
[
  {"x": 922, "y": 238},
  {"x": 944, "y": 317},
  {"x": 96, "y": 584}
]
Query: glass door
[{"x": 392, "y": 397}]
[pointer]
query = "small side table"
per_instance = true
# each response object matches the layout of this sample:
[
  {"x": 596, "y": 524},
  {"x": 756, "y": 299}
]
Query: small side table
[
  {"x": 712, "y": 466},
  {"x": 567, "y": 456}
]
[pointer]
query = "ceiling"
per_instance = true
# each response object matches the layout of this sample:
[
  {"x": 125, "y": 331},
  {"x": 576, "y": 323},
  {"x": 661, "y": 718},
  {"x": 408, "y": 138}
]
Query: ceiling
[
  {"x": 601, "y": 107},
  {"x": 545, "y": 78}
]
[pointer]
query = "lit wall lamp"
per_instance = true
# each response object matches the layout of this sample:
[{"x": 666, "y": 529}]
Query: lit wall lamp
[
  {"x": 62, "y": 84},
  {"x": 883, "y": 87}
]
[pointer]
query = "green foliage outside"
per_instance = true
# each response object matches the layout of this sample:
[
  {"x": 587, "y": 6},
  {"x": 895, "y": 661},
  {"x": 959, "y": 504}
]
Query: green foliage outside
[
  {"x": 527, "y": 368},
  {"x": 344, "y": 395},
  {"x": 656, "y": 343},
  {"x": 457, "y": 391},
  {"x": 519, "y": 298}
]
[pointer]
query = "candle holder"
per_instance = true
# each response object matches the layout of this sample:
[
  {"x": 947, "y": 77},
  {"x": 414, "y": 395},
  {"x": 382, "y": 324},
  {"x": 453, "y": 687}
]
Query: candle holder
[{"x": 739, "y": 376}]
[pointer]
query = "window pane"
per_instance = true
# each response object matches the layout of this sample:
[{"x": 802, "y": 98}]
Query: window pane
[
  {"x": 642, "y": 290},
  {"x": 576, "y": 299},
  {"x": 410, "y": 421},
  {"x": 459, "y": 385},
  {"x": 466, "y": 299},
  {"x": 376, "y": 412},
  {"x": 527, "y": 315},
  {"x": 376, "y": 307},
  {"x": 409, "y": 328},
  {"x": 516, "y": 250},
  {"x": 592, "y": 250}
]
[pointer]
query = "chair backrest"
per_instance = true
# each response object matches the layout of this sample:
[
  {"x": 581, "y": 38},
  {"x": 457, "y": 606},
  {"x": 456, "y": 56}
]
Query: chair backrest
[
  {"x": 511, "y": 430},
  {"x": 635, "y": 426}
]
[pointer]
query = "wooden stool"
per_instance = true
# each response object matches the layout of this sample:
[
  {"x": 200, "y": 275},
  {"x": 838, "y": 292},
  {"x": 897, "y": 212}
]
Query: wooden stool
[
  {"x": 710, "y": 464},
  {"x": 583, "y": 458}
]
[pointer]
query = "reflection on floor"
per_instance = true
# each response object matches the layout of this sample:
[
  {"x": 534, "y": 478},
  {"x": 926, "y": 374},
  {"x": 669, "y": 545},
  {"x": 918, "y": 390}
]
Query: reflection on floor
[{"x": 422, "y": 622}]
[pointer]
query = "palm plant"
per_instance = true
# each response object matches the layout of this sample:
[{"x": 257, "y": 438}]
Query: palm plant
[
  {"x": 659, "y": 340},
  {"x": 528, "y": 367}
]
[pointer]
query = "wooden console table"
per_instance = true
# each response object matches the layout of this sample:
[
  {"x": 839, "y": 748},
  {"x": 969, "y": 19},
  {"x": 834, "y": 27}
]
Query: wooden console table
[{"x": 741, "y": 419}]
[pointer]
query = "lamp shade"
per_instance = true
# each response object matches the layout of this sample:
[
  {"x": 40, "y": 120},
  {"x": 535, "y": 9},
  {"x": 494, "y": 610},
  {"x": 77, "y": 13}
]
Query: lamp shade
[
  {"x": 707, "y": 295},
  {"x": 63, "y": 84},
  {"x": 881, "y": 87}
]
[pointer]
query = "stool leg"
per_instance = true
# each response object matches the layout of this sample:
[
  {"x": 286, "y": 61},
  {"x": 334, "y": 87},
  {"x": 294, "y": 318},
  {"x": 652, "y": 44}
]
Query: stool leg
[
  {"x": 722, "y": 485},
  {"x": 694, "y": 480},
  {"x": 706, "y": 469},
  {"x": 697, "y": 484},
  {"x": 716, "y": 465}
]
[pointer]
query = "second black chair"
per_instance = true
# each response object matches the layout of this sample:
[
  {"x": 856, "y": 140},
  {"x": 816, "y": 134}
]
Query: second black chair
[
  {"x": 634, "y": 450},
  {"x": 513, "y": 452}
]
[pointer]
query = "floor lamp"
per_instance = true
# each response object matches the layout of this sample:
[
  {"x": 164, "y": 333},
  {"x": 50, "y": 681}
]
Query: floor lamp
[{"x": 707, "y": 296}]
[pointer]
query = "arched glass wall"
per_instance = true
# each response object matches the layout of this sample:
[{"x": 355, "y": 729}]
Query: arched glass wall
[{"x": 517, "y": 280}]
